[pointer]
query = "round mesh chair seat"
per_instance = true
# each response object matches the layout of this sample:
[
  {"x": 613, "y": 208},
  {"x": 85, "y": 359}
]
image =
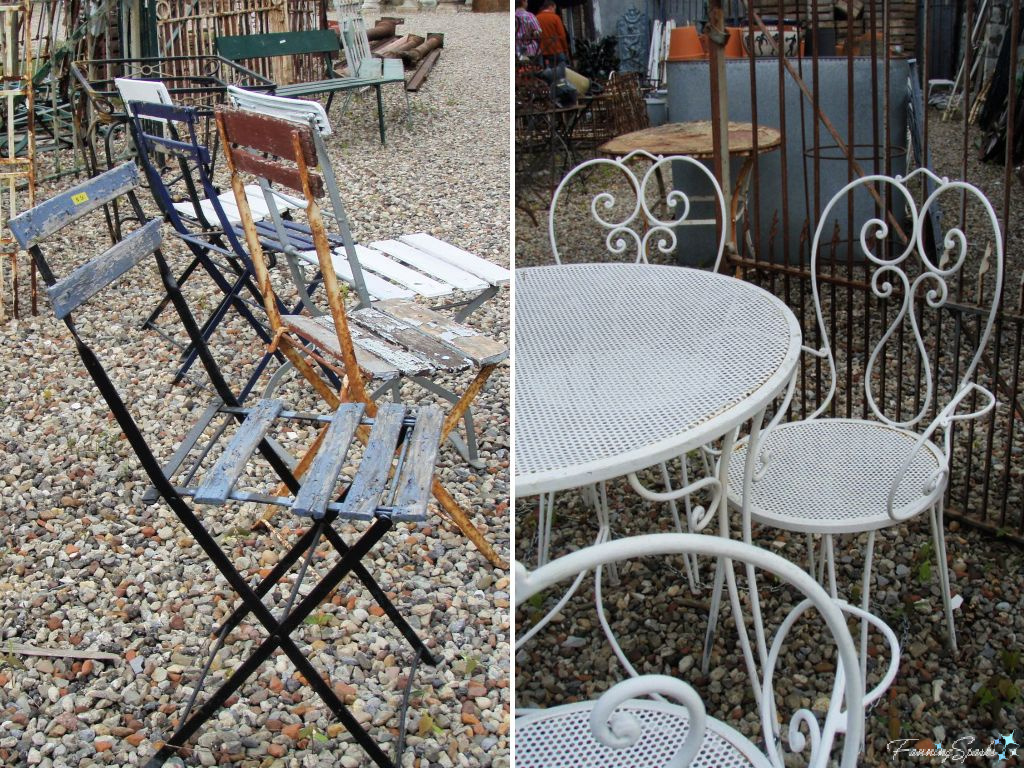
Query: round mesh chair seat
[
  {"x": 561, "y": 736},
  {"x": 834, "y": 476}
]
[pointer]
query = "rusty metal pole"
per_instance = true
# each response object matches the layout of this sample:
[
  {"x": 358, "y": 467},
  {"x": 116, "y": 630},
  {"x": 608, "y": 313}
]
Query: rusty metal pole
[{"x": 717, "y": 37}]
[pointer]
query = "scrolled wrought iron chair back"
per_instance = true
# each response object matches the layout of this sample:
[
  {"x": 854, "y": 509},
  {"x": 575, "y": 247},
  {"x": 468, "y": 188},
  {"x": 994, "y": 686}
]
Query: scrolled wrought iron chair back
[
  {"x": 845, "y": 714},
  {"x": 630, "y": 223},
  {"x": 911, "y": 276}
]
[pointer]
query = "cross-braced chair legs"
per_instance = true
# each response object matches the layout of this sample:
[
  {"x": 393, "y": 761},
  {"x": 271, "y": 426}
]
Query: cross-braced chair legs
[{"x": 390, "y": 484}]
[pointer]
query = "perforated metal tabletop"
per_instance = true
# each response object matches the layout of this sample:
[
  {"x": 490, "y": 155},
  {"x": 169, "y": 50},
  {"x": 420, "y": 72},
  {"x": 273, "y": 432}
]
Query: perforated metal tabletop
[{"x": 620, "y": 366}]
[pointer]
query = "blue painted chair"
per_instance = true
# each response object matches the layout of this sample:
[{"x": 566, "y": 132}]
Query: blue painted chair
[{"x": 391, "y": 484}]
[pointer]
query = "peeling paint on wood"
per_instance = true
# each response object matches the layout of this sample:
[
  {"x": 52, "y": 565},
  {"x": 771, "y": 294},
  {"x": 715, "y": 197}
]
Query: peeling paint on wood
[{"x": 85, "y": 282}]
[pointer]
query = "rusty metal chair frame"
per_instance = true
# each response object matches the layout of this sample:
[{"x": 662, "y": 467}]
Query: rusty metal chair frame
[
  {"x": 284, "y": 153},
  {"x": 391, "y": 483}
]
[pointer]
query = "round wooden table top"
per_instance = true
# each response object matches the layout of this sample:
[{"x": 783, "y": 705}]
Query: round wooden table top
[{"x": 692, "y": 139}]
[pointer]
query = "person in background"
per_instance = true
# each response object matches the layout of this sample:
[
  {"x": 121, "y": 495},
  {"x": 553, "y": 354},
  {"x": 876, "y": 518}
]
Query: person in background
[
  {"x": 554, "y": 44},
  {"x": 527, "y": 33}
]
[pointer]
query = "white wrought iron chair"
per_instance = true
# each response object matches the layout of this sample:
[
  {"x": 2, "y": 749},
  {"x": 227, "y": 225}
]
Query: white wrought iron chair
[
  {"x": 833, "y": 476},
  {"x": 622, "y": 729},
  {"x": 630, "y": 225}
]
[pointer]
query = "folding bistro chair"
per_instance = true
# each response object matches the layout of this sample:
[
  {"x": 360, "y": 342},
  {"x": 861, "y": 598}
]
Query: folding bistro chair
[
  {"x": 178, "y": 168},
  {"x": 386, "y": 341},
  {"x": 391, "y": 483},
  {"x": 390, "y": 271},
  {"x": 416, "y": 264}
]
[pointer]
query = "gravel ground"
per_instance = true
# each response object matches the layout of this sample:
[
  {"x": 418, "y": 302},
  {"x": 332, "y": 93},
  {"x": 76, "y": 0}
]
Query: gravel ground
[
  {"x": 937, "y": 696},
  {"x": 87, "y": 565}
]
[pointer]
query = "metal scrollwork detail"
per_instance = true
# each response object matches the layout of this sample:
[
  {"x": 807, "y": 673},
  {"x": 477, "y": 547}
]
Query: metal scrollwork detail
[{"x": 640, "y": 225}]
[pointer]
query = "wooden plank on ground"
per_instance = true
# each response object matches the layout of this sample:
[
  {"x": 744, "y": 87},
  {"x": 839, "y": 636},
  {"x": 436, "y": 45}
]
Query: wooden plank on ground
[{"x": 423, "y": 71}]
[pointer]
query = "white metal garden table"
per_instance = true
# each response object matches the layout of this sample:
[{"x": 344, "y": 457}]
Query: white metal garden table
[{"x": 621, "y": 366}]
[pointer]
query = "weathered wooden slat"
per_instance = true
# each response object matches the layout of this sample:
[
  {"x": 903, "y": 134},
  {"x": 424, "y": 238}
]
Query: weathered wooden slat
[
  {"x": 239, "y": 47},
  {"x": 479, "y": 348},
  {"x": 317, "y": 488},
  {"x": 376, "y": 285},
  {"x": 220, "y": 481},
  {"x": 371, "y": 480},
  {"x": 492, "y": 273},
  {"x": 431, "y": 265},
  {"x": 89, "y": 279},
  {"x": 277, "y": 172},
  {"x": 378, "y": 262},
  {"x": 441, "y": 356},
  {"x": 268, "y": 134},
  {"x": 324, "y": 337},
  {"x": 412, "y": 487},
  {"x": 423, "y": 71},
  {"x": 36, "y": 224}
]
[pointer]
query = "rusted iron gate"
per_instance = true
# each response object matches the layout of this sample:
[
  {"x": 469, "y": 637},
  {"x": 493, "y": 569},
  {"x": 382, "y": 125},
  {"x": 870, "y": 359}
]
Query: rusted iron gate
[
  {"x": 17, "y": 154},
  {"x": 986, "y": 487},
  {"x": 188, "y": 28}
]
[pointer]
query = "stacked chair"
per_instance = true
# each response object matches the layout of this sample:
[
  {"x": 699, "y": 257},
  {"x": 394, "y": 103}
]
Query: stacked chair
[
  {"x": 395, "y": 339},
  {"x": 232, "y": 457}
]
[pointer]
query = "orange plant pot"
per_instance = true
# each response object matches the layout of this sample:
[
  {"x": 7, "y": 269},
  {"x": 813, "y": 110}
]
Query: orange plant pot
[
  {"x": 734, "y": 45},
  {"x": 684, "y": 45}
]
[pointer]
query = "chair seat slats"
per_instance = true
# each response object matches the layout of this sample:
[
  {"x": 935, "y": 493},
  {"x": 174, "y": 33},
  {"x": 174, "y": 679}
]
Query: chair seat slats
[
  {"x": 482, "y": 268},
  {"x": 324, "y": 337},
  {"x": 371, "y": 480},
  {"x": 412, "y": 487},
  {"x": 74, "y": 290},
  {"x": 220, "y": 480},
  {"x": 479, "y": 348},
  {"x": 48, "y": 217},
  {"x": 227, "y": 202},
  {"x": 376, "y": 285},
  {"x": 431, "y": 265},
  {"x": 440, "y": 356},
  {"x": 318, "y": 488},
  {"x": 375, "y": 261}
]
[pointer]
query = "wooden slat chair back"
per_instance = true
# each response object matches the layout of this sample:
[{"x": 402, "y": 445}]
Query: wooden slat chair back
[
  {"x": 357, "y": 47},
  {"x": 392, "y": 341},
  {"x": 390, "y": 484}
]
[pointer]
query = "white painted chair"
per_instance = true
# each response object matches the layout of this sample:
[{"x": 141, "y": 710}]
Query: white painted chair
[
  {"x": 631, "y": 227},
  {"x": 417, "y": 264},
  {"x": 837, "y": 476},
  {"x": 624, "y": 728}
]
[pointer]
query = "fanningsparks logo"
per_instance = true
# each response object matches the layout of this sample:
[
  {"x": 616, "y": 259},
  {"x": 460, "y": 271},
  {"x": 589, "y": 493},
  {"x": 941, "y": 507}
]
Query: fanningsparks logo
[{"x": 1001, "y": 748}]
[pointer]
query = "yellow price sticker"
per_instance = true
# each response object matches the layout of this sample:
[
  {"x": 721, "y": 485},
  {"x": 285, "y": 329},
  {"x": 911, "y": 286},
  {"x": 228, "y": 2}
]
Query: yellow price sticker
[{"x": 80, "y": 198}]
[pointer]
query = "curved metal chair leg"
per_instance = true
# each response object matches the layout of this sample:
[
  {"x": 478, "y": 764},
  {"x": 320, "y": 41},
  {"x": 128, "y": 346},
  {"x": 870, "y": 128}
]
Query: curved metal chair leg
[
  {"x": 674, "y": 509},
  {"x": 716, "y": 606},
  {"x": 865, "y": 601},
  {"x": 939, "y": 535},
  {"x": 277, "y": 378}
]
